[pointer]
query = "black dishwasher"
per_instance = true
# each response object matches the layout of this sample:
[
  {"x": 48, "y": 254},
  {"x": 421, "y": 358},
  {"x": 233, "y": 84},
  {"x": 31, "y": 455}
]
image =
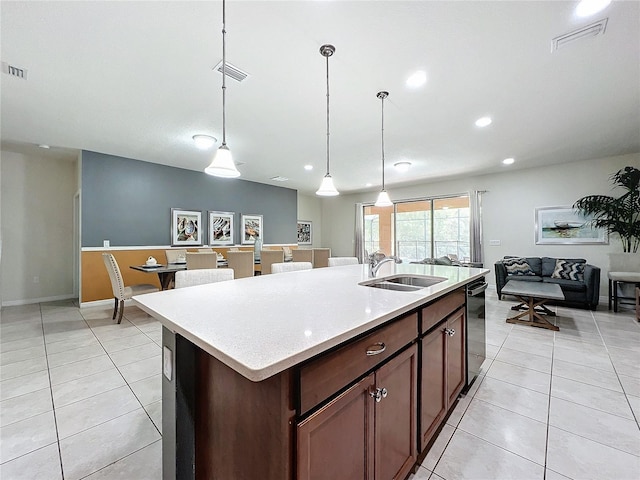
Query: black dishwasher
[{"x": 476, "y": 342}]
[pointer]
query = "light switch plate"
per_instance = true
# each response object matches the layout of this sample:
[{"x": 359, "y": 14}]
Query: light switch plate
[
  {"x": 167, "y": 362},
  {"x": 106, "y": 243},
  {"x": 495, "y": 243}
]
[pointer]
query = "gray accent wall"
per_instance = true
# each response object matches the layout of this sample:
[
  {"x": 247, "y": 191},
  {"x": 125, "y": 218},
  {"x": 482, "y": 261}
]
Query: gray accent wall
[{"x": 129, "y": 202}]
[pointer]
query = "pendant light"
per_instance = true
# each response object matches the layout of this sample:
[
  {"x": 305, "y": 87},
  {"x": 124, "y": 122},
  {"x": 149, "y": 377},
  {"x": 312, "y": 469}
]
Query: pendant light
[
  {"x": 383, "y": 196},
  {"x": 327, "y": 188},
  {"x": 222, "y": 164}
]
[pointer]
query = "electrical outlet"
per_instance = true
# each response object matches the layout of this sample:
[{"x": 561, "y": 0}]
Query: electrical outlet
[
  {"x": 106, "y": 243},
  {"x": 36, "y": 279},
  {"x": 495, "y": 243},
  {"x": 167, "y": 363}
]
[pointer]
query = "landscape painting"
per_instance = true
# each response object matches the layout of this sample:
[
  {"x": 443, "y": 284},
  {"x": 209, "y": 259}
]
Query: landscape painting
[{"x": 564, "y": 225}]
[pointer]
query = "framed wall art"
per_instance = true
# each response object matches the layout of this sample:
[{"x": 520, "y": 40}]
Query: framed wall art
[
  {"x": 220, "y": 228},
  {"x": 305, "y": 232},
  {"x": 564, "y": 225},
  {"x": 185, "y": 227},
  {"x": 252, "y": 229}
]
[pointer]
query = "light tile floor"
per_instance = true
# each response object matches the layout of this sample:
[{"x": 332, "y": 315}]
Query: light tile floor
[{"x": 80, "y": 397}]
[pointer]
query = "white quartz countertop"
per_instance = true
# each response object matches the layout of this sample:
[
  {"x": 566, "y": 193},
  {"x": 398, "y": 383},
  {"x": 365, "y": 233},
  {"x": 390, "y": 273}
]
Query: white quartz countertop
[{"x": 263, "y": 325}]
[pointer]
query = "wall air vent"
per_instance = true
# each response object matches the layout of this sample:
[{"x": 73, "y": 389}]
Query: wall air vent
[
  {"x": 232, "y": 72},
  {"x": 14, "y": 71},
  {"x": 278, "y": 178},
  {"x": 592, "y": 30}
]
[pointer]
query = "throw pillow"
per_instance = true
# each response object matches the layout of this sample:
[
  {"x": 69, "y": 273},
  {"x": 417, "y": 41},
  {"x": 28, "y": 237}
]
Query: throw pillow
[
  {"x": 517, "y": 266},
  {"x": 568, "y": 270}
]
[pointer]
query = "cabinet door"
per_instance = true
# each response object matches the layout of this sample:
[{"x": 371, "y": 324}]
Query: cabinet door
[
  {"x": 455, "y": 356},
  {"x": 434, "y": 402},
  {"x": 395, "y": 417},
  {"x": 336, "y": 442}
]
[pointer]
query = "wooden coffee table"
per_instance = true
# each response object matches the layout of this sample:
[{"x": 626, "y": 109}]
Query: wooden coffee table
[{"x": 533, "y": 296}]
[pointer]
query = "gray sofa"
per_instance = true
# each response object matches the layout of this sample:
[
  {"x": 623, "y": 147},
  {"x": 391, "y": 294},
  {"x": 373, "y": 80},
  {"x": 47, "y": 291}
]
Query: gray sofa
[{"x": 584, "y": 293}]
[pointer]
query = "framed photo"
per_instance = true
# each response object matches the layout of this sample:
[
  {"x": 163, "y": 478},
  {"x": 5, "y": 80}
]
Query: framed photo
[
  {"x": 564, "y": 225},
  {"x": 251, "y": 229},
  {"x": 305, "y": 232},
  {"x": 185, "y": 227},
  {"x": 220, "y": 228}
]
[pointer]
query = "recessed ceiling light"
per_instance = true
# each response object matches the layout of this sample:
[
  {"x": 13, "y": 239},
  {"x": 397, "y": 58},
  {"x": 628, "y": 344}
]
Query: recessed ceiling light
[
  {"x": 417, "y": 79},
  {"x": 483, "y": 121},
  {"x": 204, "y": 142},
  {"x": 308, "y": 167},
  {"x": 402, "y": 166},
  {"x": 42, "y": 145},
  {"x": 587, "y": 8},
  {"x": 508, "y": 161}
]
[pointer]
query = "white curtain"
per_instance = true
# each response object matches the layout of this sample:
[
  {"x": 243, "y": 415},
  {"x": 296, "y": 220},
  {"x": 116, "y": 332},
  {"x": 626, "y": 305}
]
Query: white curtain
[
  {"x": 359, "y": 234},
  {"x": 476, "y": 226}
]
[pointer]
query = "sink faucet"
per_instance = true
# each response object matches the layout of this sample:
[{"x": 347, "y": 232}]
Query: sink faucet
[{"x": 374, "y": 264}]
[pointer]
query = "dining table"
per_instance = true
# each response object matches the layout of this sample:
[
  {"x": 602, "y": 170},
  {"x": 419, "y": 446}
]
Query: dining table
[{"x": 166, "y": 272}]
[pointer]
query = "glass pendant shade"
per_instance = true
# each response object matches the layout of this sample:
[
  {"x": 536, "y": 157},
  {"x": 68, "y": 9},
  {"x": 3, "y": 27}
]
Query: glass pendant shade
[
  {"x": 222, "y": 164},
  {"x": 383, "y": 200},
  {"x": 327, "y": 188}
]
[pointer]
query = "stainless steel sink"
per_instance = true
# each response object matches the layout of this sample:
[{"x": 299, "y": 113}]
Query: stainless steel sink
[
  {"x": 393, "y": 286},
  {"x": 404, "y": 283},
  {"x": 420, "y": 281}
]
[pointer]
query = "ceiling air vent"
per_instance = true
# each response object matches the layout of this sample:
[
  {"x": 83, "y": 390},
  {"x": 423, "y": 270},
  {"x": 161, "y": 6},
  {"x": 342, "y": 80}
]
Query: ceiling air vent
[
  {"x": 593, "y": 30},
  {"x": 278, "y": 178},
  {"x": 14, "y": 71},
  {"x": 232, "y": 72}
]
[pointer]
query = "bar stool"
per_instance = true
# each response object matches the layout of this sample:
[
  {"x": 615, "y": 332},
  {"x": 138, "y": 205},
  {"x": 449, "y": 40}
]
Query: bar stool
[{"x": 620, "y": 277}]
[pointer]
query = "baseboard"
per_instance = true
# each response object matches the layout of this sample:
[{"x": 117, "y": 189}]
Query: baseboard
[
  {"x": 29, "y": 301},
  {"x": 103, "y": 303}
]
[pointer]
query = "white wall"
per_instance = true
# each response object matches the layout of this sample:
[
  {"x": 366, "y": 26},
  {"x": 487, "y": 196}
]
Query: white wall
[
  {"x": 37, "y": 227},
  {"x": 508, "y": 208},
  {"x": 310, "y": 208}
]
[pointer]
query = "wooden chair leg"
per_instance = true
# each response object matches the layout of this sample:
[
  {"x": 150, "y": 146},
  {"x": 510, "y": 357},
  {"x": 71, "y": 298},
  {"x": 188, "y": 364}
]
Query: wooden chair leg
[
  {"x": 121, "y": 311},
  {"x": 115, "y": 308}
]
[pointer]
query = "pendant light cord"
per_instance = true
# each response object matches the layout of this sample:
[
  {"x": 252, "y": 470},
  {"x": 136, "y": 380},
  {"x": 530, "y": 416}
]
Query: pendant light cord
[
  {"x": 383, "y": 143},
  {"x": 327, "y": 115},
  {"x": 224, "y": 76}
]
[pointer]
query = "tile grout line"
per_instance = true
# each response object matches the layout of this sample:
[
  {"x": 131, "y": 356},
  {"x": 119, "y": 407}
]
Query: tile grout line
[{"x": 53, "y": 406}]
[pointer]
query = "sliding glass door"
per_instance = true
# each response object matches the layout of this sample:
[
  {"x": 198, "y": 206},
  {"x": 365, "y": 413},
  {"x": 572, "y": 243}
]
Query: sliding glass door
[{"x": 418, "y": 229}]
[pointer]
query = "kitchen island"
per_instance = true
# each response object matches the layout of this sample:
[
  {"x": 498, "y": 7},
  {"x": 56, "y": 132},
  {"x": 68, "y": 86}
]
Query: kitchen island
[{"x": 274, "y": 377}]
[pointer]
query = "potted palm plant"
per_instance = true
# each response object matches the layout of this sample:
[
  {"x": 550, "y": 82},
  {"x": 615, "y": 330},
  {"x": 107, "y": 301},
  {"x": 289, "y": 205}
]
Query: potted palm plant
[{"x": 619, "y": 215}]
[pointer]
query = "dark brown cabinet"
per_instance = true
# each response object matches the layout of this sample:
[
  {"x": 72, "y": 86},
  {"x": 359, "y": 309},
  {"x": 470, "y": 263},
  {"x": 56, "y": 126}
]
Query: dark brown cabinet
[
  {"x": 367, "y": 432},
  {"x": 442, "y": 373}
]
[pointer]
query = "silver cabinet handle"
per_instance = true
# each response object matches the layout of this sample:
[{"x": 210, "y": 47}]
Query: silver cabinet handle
[
  {"x": 378, "y": 394},
  {"x": 376, "y": 349}
]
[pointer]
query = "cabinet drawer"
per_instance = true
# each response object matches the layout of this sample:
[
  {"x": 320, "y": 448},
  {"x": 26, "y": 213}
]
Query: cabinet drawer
[
  {"x": 323, "y": 377},
  {"x": 438, "y": 310}
]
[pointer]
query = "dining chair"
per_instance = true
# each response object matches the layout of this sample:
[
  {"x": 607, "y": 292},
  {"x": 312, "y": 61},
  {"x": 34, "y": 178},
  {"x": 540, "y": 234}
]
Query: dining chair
[
  {"x": 321, "y": 257},
  {"x": 189, "y": 278},
  {"x": 174, "y": 254},
  {"x": 287, "y": 254},
  {"x": 241, "y": 262},
  {"x": 339, "y": 261},
  {"x": 290, "y": 267},
  {"x": 268, "y": 257},
  {"x": 196, "y": 260},
  {"x": 302, "y": 255},
  {"x": 120, "y": 291}
]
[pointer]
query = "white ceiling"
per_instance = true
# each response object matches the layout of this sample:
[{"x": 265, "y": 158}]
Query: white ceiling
[{"x": 135, "y": 79}]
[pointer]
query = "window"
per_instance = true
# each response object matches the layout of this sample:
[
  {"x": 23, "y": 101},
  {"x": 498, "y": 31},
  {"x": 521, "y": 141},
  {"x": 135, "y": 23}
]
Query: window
[{"x": 419, "y": 229}]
